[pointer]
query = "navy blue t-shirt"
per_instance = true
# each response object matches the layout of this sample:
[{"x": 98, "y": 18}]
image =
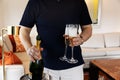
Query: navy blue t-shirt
[{"x": 50, "y": 18}]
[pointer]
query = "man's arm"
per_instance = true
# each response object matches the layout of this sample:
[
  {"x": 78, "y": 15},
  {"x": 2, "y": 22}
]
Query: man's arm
[
  {"x": 86, "y": 32},
  {"x": 25, "y": 37},
  {"x": 31, "y": 50}
]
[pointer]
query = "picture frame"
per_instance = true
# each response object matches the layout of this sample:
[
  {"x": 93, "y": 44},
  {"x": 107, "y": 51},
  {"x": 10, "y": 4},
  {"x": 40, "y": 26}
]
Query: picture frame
[{"x": 94, "y": 8}]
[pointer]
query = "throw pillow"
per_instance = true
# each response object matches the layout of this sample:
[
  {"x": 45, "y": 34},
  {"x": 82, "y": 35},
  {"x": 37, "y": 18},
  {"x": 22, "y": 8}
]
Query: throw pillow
[
  {"x": 11, "y": 37},
  {"x": 10, "y": 58},
  {"x": 0, "y": 52},
  {"x": 19, "y": 45}
]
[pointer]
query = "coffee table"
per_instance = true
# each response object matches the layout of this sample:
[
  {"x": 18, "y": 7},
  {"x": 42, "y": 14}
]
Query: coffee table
[{"x": 110, "y": 67}]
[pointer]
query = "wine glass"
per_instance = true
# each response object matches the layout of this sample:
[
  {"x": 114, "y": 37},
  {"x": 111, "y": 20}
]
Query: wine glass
[
  {"x": 73, "y": 31},
  {"x": 64, "y": 58}
]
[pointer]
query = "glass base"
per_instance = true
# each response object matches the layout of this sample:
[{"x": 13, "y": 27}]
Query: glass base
[
  {"x": 72, "y": 61},
  {"x": 63, "y": 58}
]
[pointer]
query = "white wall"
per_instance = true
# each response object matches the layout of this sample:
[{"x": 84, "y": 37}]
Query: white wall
[
  {"x": 110, "y": 14},
  {"x": 12, "y": 11},
  {"x": 110, "y": 17},
  {"x": 1, "y": 15}
]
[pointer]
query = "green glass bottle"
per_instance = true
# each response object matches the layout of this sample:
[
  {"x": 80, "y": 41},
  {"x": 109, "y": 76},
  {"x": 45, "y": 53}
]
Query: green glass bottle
[{"x": 36, "y": 68}]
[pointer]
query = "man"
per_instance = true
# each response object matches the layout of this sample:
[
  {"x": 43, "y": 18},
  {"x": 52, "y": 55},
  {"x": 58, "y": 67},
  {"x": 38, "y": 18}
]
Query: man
[{"x": 50, "y": 18}]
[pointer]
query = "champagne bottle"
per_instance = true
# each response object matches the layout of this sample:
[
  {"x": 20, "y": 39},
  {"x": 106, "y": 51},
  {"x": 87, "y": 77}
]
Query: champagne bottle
[{"x": 36, "y": 68}]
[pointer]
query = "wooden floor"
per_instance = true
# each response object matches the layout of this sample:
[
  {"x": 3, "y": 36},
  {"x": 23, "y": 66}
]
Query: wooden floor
[{"x": 86, "y": 76}]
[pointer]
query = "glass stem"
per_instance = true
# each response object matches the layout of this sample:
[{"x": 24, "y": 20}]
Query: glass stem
[
  {"x": 72, "y": 52},
  {"x": 65, "y": 50}
]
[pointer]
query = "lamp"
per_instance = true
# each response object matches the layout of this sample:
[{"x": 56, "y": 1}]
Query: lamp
[{"x": 3, "y": 62}]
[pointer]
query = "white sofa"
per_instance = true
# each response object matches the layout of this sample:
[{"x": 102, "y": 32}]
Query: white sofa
[
  {"x": 101, "y": 46},
  {"x": 12, "y": 72}
]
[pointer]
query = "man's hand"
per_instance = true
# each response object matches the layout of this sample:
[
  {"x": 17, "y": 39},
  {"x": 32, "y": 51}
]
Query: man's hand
[
  {"x": 77, "y": 41},
  {"x": 34, "y": 53}
]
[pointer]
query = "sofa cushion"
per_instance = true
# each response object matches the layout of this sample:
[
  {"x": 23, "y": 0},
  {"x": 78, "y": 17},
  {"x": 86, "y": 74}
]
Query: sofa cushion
[
  {"x": 112, "y": 53},
  {"x": 112, "y": 39},
  {"x": 96, "y": 41},
  {"x": 93, "y": 54}
]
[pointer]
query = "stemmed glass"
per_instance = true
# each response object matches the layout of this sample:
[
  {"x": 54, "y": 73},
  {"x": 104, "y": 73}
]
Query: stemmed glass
[
  {"x": 73, "y": 31},
  {"x": 64, "y": 58}
]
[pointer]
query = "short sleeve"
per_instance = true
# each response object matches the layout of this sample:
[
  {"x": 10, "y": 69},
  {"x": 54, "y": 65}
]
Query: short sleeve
[
  {"x": 85, "y": 18},
  {"x": 30, "y": 14}
]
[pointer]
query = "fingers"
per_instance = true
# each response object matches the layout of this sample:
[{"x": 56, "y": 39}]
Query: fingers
[
  {"x": 77, "y": 41},
  {"x": 34, "y": 53},
  {"x": 32, "y": 59}
]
